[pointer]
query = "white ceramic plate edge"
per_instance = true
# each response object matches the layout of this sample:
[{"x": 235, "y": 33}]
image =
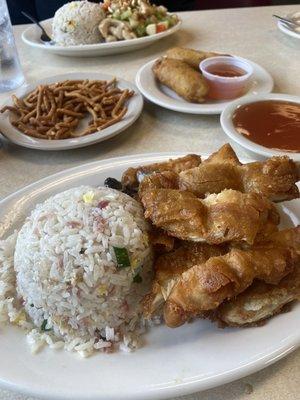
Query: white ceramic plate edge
[
  {"x": 97, "y": 48},
  {"x": 288, "y": 31},
  {"x": 168, "y": 392}
]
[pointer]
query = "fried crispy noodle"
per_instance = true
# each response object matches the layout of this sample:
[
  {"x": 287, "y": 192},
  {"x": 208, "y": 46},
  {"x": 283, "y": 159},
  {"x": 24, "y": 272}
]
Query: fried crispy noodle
[
  {"x": 54, "y": 111},
  {"x": 75, "y": 264}
]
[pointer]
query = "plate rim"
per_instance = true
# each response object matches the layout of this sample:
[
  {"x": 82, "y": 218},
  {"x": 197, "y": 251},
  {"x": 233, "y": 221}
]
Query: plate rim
[
  {"x": 281, "y": 26},
  {"x": 16, "y": 137},
  {"x": 214, "y": 109},
  {"x": 98, "y": 46},
  {"x": 191, "y": 385}
]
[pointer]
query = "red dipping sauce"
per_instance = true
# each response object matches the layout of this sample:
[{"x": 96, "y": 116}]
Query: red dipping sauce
[
  {"x": 273, "y": 123},
  {"x": 228, "y": 71}
]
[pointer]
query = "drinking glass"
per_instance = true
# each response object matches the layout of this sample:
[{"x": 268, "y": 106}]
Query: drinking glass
[{"x": 11, "y": 75}]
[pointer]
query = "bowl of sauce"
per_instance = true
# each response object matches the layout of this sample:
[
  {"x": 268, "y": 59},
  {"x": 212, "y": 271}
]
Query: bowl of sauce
[
  {"x": 265, "y": 125},
  {"x": 227, "y": 77}
]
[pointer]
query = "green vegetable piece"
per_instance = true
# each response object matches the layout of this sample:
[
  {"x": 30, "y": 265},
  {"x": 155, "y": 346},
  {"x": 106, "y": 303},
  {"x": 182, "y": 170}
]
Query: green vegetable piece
[
  {"x": 126, "y": 15},
  {"x": 140, "y": 30},
  {"x": 158, "y": 15},
  {"x": 137, "y": 278},
  {"x": 122, "y": 257},
  {"x": 43, "y": 326}
]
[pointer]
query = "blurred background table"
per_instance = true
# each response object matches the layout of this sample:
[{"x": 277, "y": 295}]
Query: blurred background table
[{"x": 247, "y": 32}]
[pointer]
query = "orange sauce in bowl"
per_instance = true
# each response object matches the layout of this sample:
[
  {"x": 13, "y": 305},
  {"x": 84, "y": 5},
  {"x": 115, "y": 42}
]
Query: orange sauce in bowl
[
  {"x": 226, "y": 70},
  {"x": 272, "y": 123}
]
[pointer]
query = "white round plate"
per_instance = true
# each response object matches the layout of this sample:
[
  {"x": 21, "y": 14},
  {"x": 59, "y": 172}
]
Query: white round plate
[
  {"x": 254, "y": 149},
  {"x": 159, "y": 94},
  {"x": 32, "y": 35},
  {"x": 288, "y": 31},
  {"x": 173, "y": 362},
  {"x": 135, "y": 106}
]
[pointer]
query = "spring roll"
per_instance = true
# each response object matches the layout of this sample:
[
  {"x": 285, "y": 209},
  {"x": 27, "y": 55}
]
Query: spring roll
[
  {"x": 183, "y": 79},
  {"x": 189, "y": 56}
]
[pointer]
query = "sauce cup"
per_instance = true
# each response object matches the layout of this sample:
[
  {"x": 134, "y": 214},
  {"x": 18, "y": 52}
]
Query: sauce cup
[{"x": 226, "y": 87}]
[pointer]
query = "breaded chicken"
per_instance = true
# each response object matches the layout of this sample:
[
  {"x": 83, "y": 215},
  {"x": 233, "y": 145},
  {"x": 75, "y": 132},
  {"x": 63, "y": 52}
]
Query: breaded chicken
[
  {"x": 132, "y": 176},
  {"x": 205, "y": 286},
  {"x": 287, "y": 237},
  {"x": 260, "y": 301},
  {"x": 169, "y": 267},
  {"x": 274, "y": 178},
  {"x": 227, "y": 216},
  {"x": 224, "y": 154},
  {"x": 159, "y": 180},
  {"x": 161, "y": 241}
]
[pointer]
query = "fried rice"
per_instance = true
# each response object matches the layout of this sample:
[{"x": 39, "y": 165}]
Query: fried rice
[{"x": 75, "y": 273}]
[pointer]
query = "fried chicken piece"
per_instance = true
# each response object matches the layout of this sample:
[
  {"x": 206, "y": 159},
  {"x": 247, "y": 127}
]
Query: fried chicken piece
[
  {"x": 287, "y": 237},
  {"x": 205, "y": 286},
  {"x": 169, "y": 267},
  {"x": 161, "y": 241},
  {"x": 260, "y": 301},
  {"x": 159, "y": 180},
  {"x": 189, "y": 56},
  {"x": 179, "y": 76},
  {"x": 132, "y": 176},
  {"x": 274, "y": 178},
  {"x": 224, "y": 154},
  {"x": 227, "y": 216}
]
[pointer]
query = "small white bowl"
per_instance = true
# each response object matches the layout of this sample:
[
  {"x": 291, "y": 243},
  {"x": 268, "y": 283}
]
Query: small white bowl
[{"x": 254, "y": 149}]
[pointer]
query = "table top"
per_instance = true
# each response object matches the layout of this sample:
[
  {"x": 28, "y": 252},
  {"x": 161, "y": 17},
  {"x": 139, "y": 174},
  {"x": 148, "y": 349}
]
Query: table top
[{"x": 247, "y": 32}]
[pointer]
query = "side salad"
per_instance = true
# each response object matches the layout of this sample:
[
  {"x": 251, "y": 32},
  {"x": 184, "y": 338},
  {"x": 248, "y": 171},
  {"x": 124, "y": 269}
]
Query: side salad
[{"x": 128, "y": 19}]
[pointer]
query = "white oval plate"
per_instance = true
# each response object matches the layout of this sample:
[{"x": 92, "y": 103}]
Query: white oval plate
[
  {"x": 135, "y": 106},
  {"x": 31, "y": 36},
  {"x": 262, "y": 82},
  {"x": 254, "y": 149},
  {"x": 172, "y": 363},
  {"x": 285, "y": 29}
]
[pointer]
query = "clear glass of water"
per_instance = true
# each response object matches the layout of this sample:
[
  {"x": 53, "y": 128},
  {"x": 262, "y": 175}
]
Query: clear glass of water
[{"x": 11, "y": 75}]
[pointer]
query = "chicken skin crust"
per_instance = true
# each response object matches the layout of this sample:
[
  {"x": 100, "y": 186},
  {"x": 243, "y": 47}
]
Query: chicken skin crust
[
  {"x": 205, "y": 286},
  {"x": 132, "y": 176},
  {"x": 227, "y": 216},
  {"x": 259, "y": 302},
  {"x": 169, "y": 267},
  {"x": 274, "y": 178}
]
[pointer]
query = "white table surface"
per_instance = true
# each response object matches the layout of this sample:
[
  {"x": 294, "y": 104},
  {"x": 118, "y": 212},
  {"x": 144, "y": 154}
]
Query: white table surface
[{"x": 248, "y": 32}]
